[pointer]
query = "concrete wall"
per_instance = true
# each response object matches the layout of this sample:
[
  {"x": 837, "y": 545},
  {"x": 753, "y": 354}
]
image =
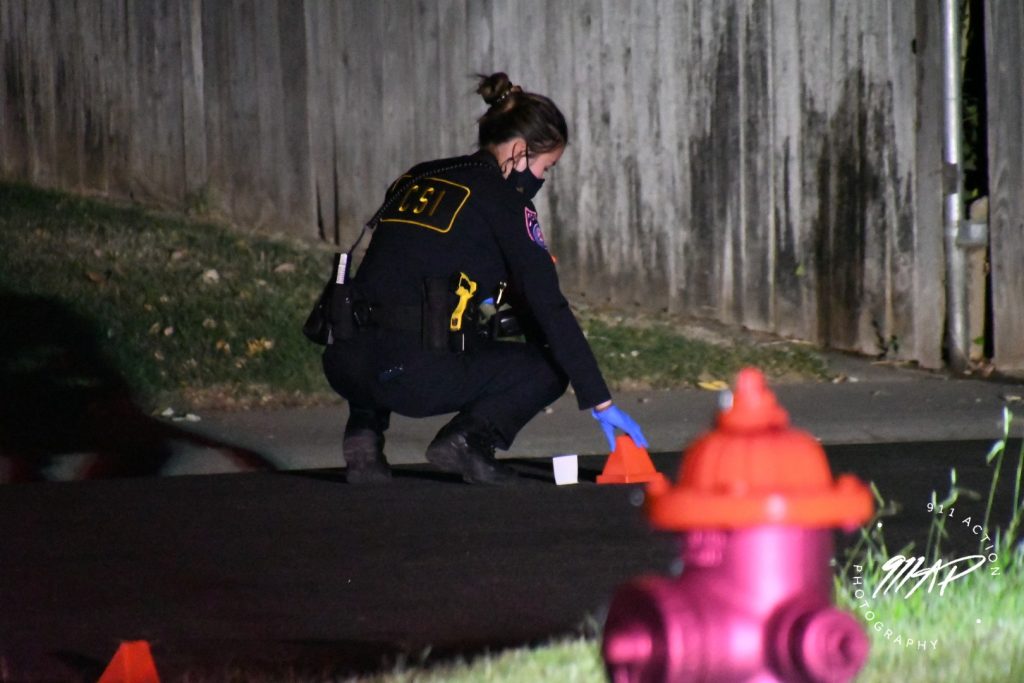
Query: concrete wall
[{"x": 773, "y": 165}]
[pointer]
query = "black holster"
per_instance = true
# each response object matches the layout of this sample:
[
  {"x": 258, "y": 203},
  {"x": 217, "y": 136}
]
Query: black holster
[{"x": 439, "y": 301}]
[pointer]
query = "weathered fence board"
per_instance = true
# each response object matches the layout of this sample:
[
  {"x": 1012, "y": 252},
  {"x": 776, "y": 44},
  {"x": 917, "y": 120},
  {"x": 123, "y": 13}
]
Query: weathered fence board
[
  {"x": 771, "y": 165},
  {"x": 928, "y": 294},
  {"x": 1004, "y": 28},
  {"x": 321, "y": 96},
  {"x": 791, "y": 298}
]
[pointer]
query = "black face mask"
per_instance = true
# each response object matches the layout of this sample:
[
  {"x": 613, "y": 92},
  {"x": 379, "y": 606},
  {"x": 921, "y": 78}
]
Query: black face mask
[{"x": 524, "y": 181}]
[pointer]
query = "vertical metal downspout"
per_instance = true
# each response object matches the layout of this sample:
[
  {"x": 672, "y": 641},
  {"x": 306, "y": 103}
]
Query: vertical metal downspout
[{"x": 957, "y": 333}]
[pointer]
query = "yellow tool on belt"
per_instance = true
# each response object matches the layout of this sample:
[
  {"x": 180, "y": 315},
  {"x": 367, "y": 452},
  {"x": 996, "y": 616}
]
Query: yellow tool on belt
[{"x": 465, "y": 292}]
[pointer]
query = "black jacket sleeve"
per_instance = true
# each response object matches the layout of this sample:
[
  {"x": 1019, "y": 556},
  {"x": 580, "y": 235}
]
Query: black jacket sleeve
[{"x": 533, "y": 275}]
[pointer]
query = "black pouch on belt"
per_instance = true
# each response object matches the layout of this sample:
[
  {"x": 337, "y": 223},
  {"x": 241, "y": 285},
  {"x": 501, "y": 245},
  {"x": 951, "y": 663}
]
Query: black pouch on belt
[
  {"x": 438, "y": 302},
  {"x": 331, "y": 316},
  {"x": 342, "y": 323},
  {"x": 317, "y": 328}
]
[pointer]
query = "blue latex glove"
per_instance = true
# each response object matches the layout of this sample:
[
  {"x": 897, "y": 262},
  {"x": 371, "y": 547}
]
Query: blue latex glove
[{"x": 612, "y": 418}]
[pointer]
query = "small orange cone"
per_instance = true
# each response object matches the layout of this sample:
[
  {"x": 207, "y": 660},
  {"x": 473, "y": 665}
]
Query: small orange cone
[
  {"x": 628, "y": 464},
  {"x": 132, "y": 663}
]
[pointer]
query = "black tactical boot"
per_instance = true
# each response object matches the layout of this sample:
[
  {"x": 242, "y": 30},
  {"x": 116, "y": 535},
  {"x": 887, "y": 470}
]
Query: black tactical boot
[
  {"x": 364, "y": 455},
  {"x": 465, "y": 446}
]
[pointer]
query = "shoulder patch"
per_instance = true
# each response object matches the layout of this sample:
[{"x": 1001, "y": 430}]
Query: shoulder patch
[{"x": 533, "y": 228}]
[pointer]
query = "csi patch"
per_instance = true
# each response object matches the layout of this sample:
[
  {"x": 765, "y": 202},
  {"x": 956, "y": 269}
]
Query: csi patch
[
  {"x": 533, "y": 227},
  {"x": 432, "y": 203}
]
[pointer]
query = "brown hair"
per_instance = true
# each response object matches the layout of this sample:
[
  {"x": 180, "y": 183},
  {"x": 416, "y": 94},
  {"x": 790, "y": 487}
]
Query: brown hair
[{"x": 516, "y": 113}]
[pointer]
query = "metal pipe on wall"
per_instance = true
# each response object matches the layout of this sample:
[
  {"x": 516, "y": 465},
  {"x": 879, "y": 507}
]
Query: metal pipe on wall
[{"x": 957, "y": 333}]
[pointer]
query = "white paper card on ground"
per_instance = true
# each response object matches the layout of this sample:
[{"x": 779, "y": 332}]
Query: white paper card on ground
[{"x": 567, "y": 469}]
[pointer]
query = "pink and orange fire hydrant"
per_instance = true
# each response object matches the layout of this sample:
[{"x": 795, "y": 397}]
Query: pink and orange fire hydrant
[{"x": 755, "y": 505}]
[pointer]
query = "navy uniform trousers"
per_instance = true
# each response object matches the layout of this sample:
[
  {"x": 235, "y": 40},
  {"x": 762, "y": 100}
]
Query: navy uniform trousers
[{"x": 504, "y": 383}]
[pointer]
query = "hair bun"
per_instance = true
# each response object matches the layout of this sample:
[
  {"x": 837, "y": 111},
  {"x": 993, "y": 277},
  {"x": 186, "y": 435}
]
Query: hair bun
[{"x": 496, "y": 88}]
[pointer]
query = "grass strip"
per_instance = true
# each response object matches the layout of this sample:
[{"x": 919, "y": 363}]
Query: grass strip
[{"x": 651, "y": 352}]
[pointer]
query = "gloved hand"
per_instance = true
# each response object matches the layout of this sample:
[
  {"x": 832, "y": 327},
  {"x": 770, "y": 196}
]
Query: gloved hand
[{"x": 611, "y": 418}]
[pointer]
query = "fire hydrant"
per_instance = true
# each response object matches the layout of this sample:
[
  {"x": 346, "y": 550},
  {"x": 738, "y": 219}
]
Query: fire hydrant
[{"x": 754, "y": 505}]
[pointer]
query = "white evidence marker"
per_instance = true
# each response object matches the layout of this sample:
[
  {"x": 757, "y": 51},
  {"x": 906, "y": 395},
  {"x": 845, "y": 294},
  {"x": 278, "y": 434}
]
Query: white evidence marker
[{"x": 567, "y": 469}]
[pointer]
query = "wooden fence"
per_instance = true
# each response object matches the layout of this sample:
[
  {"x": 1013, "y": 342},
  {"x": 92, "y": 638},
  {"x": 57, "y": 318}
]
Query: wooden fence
[
  {"x": 772, "y": 165},
  {"x": 1004, "y": 29}
]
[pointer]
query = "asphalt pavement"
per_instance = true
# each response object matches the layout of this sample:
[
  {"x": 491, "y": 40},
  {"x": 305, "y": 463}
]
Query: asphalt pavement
[{"x": 252, "y": 551}]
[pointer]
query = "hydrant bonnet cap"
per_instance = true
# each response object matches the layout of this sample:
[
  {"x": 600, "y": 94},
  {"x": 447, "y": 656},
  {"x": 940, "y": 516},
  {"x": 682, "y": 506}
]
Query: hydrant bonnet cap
[
  {"x": 754, "y": 407},
  {"x": 754, "y": 469}
]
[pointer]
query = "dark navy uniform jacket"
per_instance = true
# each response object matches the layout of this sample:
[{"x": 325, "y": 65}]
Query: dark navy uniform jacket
[{"x": 469, "y": 219}]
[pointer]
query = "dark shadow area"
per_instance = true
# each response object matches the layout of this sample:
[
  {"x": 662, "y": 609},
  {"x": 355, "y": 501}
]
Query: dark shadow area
[
  {"x": 60, "y": 394},
  {"x": 531, "y": 471},
  {"x": 339, "y": 475}
]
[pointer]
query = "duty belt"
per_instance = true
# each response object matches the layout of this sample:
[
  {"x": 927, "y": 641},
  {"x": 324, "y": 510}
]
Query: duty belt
[
  {"x": 410, "y": 320},
  {"x": 389, "y": 317}
]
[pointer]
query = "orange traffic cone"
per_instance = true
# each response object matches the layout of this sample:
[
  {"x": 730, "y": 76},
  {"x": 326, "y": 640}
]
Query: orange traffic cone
[
  {"x": 628, "y": 464},
  {"x": 132, "y": 663}
]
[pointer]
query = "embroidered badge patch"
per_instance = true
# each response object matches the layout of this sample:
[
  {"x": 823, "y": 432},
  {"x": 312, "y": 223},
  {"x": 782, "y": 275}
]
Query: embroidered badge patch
[
  {"x": 533, "y": 228},
  {"x": 432, "y": 203}
]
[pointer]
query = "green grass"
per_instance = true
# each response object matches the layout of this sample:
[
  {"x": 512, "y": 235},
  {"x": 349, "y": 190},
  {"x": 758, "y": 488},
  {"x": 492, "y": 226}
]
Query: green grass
[
  {"x": 651, "y": 352},
  {"x": 568, "y": 661},
  {"x": 203, "y": 314},
  {"x": 978, "y": 624},
  {"x": 180, "y": 307}
]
